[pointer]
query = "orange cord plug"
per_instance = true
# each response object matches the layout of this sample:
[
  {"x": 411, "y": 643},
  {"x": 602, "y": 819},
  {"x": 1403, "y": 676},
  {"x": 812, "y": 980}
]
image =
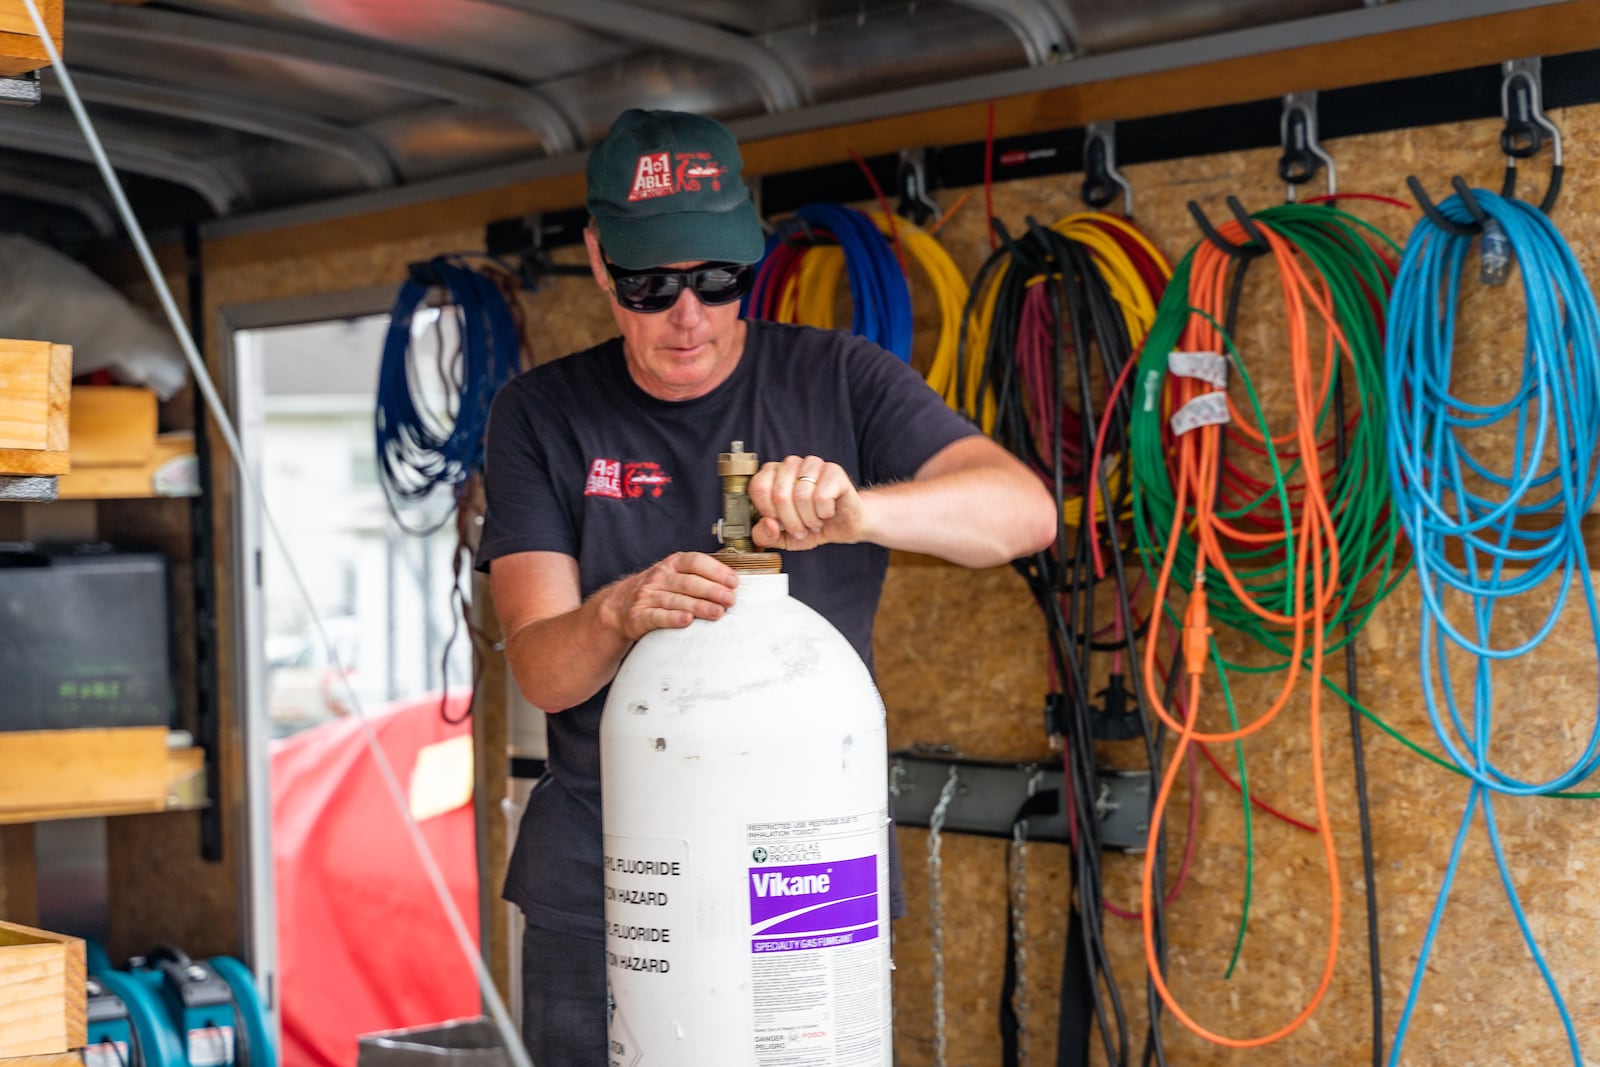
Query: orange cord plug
[{"x": 1196, "y": 632}]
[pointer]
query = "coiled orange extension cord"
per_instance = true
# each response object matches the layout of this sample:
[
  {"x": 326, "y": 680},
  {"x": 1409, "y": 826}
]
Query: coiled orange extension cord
[{"x": 1304, "y": 538}]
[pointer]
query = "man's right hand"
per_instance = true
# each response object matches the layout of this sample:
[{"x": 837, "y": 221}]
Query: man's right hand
[
  {"x": 669, "y": 595},
  {"x": 562, "y": 649}
]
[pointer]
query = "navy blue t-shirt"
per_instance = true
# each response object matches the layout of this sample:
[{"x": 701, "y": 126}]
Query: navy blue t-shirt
[{"x": 583, "y": 462}]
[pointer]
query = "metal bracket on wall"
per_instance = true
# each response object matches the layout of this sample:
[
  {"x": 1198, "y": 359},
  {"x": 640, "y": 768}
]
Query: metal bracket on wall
[
  {"x": 529, "y": 238},
  {"x": 990, "y": 794},
  {"x": 916, "y": 203},
  {"x": 21, "y": 90},
  {"x": 1303, "y": 154},
  {"x": 1101, "y": 178}
]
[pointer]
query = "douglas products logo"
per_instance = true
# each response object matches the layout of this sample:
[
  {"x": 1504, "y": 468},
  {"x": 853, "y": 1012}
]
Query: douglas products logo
[{"x": 807, "y": 853}]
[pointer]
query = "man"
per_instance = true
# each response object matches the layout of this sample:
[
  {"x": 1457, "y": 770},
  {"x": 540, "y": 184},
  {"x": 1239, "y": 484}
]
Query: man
[{"x": 602, "y": 491}]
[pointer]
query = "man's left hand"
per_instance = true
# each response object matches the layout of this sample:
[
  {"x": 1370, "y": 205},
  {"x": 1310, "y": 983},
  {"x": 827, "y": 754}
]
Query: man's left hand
[{"x": 805, "y": 502}]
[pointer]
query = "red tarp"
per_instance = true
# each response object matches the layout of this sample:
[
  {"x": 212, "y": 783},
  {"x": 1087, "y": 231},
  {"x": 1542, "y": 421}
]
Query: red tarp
[{"x": 363, "y": 944}]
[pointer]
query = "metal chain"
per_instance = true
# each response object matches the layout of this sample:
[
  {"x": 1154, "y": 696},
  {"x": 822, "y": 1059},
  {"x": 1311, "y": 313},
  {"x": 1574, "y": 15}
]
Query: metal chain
[
  {"x": 936, "y": 912},
  {"x": 1019, "y": 922}
]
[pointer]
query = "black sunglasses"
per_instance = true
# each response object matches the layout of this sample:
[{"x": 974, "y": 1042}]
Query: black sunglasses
[{"x": 654, "y": 290}]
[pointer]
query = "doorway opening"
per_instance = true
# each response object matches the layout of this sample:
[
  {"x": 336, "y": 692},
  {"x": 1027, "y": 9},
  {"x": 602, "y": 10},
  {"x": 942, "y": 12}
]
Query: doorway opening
[{"x": 344, "y": 915}]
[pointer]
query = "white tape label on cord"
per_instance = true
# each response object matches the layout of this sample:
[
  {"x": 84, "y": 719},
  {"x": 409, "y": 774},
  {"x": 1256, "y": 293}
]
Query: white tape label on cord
[
  {"x": 1210, "y": 409},
  {"x": 1207, "y": 366},
  {"x": 1152, "y": 389}
]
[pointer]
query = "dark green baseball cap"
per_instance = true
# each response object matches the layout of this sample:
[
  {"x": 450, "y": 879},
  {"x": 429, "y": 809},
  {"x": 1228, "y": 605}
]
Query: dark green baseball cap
[{"x": 665, "y": 187}]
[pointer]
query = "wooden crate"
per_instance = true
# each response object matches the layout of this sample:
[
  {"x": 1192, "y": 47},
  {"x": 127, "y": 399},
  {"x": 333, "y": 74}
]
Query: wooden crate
[
  {"x": 21, "y": 50},
  {"x": 56, "y": 773},
  {"x": 35, "y": 399},
  {"x": 112, "y": 425},
  {"x": 70, "y": 1058},
  {"x": 43, "y": 1008}
]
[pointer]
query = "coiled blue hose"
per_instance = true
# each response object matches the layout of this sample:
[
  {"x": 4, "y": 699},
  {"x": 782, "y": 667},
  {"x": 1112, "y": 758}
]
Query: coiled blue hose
[
  {"x": 419, "y": 446},
  {"x": 1494, "y": 509},
  {"x": 878, "y": 291}
]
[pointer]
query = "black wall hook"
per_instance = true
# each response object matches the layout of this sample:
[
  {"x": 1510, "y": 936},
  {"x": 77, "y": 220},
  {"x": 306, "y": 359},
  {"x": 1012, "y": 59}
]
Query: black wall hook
[
  {"x": 1475, "y": 209},
  {"x": 1437, "y": 217},
  {"x": 1527, "y": 126},
  {"x": 1013, "y": 247},
  {"x": 912, "y": 177},
  {"x": 798, "y": 231},
  {"x": 1303, "y": 154},
  {"x": 526, "y": 242},
  {"x": 1248, "y": 223},
  {"x": 1102, "y": 181},
  {"x": 1521, "y": 137},
  {"x": 1244, "y": 251}
]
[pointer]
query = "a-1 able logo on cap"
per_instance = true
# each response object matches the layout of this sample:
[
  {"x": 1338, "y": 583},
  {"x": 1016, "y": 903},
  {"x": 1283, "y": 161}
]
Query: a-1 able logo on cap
[{"x": 654, "y": 174}]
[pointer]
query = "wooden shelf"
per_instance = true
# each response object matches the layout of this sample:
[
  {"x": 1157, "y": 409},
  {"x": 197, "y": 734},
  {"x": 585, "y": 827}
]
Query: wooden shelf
[
  {"x": 170, "y": 470},
  {"x": 80, "y": 774}
]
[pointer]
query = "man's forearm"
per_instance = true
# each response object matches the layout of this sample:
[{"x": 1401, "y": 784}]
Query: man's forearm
[
  {"x": 971, "y": 518},
  {"x": 561, "y": 658},
  {"x": 974, "y": 505},
  {"x": 565, "y": 660}
]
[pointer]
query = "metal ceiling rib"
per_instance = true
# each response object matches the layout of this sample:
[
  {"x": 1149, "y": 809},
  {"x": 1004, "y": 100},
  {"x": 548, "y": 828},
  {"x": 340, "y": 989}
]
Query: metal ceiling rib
[
  {"x": 353, "y": 145},
  {"x": 47, "y": 191},
  {"x": 911, "y": 98},
  {"x": 761, "y": 17},
  {"x": 149, "y": 25},
  {"x": 781, "y": 88},
  {"x": 447, "y": 138},
  {"x": 905, "y": 47},
  {"x": 1101, "y": 26},
  {"x": 306, "y": 110},
  {"x": 658, "y": 80},
  {"x": 1174, "y": 55},
  {"x": 35, "y": 132},
  {"x": 1038, "y": 28},
  {"x": 343, "y": 97},
  {"x": 477, "y": 35}
]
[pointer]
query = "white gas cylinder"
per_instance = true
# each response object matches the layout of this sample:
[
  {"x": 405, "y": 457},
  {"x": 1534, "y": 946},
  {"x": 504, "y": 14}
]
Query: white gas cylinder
[{"x": 744, "y": 780}]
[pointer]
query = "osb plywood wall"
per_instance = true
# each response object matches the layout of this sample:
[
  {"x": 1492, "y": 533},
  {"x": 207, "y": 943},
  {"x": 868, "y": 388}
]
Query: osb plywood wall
[
  {"x": 961, "y": 661},
  {"x": 977, "y": 685}
]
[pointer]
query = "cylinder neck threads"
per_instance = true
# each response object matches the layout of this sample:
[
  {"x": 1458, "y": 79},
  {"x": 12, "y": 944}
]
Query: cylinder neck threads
[
  {"x": 751, "y": 562},
  {"x": 736, "y": 467}
]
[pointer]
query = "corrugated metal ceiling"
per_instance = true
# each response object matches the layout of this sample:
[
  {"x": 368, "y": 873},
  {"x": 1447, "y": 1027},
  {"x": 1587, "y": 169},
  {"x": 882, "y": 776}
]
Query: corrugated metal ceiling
[{"x": 224, "y": 108}]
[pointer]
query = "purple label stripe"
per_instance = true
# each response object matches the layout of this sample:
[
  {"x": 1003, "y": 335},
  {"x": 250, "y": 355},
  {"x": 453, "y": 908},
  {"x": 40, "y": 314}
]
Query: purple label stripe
[{"x": 817, "y": 918}]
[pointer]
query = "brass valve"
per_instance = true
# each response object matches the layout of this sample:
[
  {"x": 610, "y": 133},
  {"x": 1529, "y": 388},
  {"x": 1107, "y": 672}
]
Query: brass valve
[{"x": 736, "y": 467}]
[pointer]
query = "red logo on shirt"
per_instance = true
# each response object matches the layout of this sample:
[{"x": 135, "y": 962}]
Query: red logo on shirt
[
  {"x": 641, "y": 478},
  {"x": 605, "y": 479},
  {"x": 615, "y": 479}
]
